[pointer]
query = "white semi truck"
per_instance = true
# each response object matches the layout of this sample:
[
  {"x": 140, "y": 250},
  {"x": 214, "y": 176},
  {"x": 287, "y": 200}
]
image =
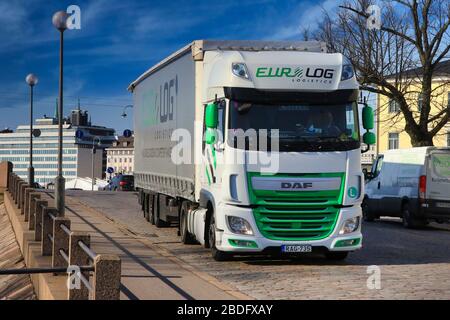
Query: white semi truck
[{"x": 252, "y": 147}]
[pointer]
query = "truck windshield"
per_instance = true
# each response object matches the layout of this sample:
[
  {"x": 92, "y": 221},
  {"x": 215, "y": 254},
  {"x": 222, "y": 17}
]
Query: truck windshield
[{"x": 305, "y": 127}]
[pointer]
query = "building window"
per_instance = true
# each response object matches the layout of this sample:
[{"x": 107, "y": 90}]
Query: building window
[
  {"x": 419, "y": 102},
  {"x": 393, "y": 141},
  {"x": 448, "y": 139},
  {"x": 394, "y": 107},
  {"x": 125, "y": 160}
]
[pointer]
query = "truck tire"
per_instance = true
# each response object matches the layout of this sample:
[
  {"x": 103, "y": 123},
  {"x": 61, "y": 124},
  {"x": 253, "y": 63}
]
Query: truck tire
[
  {"x": 409, "y": 221},
  {"x": 336, "y": 256},
  {"x": 215, "y": 253},
  {"x": 186, "y": 236},
  {"x": 367, "y": 215},
  {"x": 146, "y": 206},
  {"x": 151, "y": 212},
  {"x": 158, "y": 222}
]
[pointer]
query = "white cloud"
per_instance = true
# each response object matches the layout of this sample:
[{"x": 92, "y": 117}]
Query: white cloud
[{"x": 304, "y": 17}]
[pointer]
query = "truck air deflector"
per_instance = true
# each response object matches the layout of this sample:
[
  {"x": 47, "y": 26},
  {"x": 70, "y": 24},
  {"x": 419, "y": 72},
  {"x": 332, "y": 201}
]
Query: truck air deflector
[{"x": 277, "y": 97}]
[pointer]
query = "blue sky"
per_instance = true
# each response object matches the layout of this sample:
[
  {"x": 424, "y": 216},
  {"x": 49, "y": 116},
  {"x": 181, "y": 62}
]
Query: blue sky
[{"x": 118, "y": 41}]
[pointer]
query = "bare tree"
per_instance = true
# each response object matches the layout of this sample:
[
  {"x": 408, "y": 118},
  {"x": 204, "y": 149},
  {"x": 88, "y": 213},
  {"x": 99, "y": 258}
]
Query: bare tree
[{"x": 398, "y": 59}]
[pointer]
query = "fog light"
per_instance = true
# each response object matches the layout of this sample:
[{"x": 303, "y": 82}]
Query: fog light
[
  {"x": 243, "y": 243},
  {"x": 347, "y": 243},
  {"x": 239, "y": 225},
  {"x": 350, "y": 225}
]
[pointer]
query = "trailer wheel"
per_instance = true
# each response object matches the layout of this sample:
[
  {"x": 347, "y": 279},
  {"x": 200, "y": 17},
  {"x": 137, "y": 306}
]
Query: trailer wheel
[
  {"x": 146, "y": 207},
  {"x": 216, "y": 254},
  {"x": 186, "y": 236},
  {"x": 151, "y": 209},
  {"x": 158, "y": 222}
]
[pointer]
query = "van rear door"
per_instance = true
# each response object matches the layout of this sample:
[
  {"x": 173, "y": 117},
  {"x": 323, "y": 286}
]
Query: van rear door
[{"x": 438, "y": 175}]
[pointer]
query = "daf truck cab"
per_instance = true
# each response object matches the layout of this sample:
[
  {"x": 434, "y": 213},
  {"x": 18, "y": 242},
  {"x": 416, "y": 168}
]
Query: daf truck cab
[{"x": 274, "y": 155}]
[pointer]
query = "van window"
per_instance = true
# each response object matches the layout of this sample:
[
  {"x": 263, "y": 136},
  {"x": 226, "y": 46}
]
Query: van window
[{"x": 376, "y": 168}]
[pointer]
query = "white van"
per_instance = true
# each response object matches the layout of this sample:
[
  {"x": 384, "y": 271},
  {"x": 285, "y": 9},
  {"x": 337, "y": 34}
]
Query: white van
[{"x": 410, "y": 183}]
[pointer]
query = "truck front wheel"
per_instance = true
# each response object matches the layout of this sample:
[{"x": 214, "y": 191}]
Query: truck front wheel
[
  {"x": 186, "y": 236},
  {"x": 216, "y": 254}
]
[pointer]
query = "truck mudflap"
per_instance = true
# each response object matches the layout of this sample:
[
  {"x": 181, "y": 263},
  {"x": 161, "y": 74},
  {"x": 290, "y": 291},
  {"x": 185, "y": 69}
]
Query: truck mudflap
[{"x": 232, "y": 242}]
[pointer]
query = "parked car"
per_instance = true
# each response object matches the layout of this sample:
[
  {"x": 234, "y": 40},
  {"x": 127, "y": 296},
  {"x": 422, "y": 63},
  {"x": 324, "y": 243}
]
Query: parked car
[
  {"x": 413, "y": 184},
  {"x": 121, "y": 183}
]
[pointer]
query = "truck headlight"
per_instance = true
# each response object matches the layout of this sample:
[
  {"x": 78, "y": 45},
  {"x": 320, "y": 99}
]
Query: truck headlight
[
  {"x": 239, "y": 225},
  {"x": 347, "y": 72},
  {"x": 350, "y": 225},
  {"x": 240, "y": 69}
]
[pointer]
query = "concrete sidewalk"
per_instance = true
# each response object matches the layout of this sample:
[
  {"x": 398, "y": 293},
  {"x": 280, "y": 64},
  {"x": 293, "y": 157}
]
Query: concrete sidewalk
[
  {"x": 148, "y": 272},
  {"x": 12, "y": 287}
]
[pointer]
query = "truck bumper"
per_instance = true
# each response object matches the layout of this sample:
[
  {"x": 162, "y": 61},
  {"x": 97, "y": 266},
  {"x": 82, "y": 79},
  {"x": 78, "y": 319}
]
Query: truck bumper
[
  {"x": 435, "y": 209},
  {"x": 232, "y": 242}
]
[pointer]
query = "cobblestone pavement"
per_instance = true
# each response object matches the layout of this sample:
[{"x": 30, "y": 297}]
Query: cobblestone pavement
[{"x": 414, "y": 264}]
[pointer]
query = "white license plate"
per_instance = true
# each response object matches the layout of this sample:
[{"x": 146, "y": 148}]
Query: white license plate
[
  {"x": 443, "y": 204},
  {"x": 301, "y": 248}
]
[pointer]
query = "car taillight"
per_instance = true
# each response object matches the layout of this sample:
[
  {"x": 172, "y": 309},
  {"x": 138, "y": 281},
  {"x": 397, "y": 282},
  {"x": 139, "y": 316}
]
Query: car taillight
[
  {"x": 122, "y": 183},
  {"x": 422, "y": 187}
]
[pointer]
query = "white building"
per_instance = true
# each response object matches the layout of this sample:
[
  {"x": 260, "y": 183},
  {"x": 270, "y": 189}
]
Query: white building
[
  {"x": 77, "y": 153},
  {"x": 368, "y": 157},
  {"x": 120, "y": 156}
]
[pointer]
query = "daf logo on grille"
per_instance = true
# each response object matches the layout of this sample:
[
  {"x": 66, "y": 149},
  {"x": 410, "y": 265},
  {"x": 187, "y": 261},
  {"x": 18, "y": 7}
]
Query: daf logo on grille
[{"x": 296, "y": 185}]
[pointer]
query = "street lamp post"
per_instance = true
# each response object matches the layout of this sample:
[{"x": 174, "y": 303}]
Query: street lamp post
[
  {"x": 93, "y": 153},
  {"x": 31, "y": 80},
  {"x": 124, "y": 114},
  {"x": 60, "y": 22}
]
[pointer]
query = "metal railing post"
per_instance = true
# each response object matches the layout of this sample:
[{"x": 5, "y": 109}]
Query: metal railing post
[
  {"x": 106, "y": 278},
  {"x": 77, "y": 257}
]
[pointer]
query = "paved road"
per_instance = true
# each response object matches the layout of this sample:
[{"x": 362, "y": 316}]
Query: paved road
[{"x": 414, "y": 264}]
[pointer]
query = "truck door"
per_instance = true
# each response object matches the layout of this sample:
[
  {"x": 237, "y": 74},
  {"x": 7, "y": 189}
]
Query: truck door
[
  {"x": 213, "y": 153},
  {"x": 438, "y": 175}
]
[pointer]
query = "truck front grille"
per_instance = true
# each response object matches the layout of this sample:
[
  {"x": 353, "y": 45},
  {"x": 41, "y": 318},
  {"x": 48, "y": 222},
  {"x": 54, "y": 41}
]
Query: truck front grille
[
  {"x": 296, "y": 215},
  {"x": 296, "y": 223}
]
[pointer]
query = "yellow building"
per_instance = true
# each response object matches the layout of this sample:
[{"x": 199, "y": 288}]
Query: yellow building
[{"x": 390, "y": 121}]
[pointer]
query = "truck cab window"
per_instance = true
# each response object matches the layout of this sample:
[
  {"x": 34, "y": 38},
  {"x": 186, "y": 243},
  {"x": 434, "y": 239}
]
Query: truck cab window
[{"x": 302, "y": 127}]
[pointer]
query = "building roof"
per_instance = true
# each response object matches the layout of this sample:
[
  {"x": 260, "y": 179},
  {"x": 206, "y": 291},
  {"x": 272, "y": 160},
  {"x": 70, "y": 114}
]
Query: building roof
[
  {"x": 442, "y": 69},
  {"x": 123, "y": 142}
]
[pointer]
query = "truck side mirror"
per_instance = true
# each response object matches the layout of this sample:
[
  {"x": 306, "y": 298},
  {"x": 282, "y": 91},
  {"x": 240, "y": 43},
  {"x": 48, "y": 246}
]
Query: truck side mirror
[
  {"x": 369, "y": 138},
  {"x": 211, "y": 115},
  {"x": 210, "y": 136},
  {"x": 367, "y": 118}
]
